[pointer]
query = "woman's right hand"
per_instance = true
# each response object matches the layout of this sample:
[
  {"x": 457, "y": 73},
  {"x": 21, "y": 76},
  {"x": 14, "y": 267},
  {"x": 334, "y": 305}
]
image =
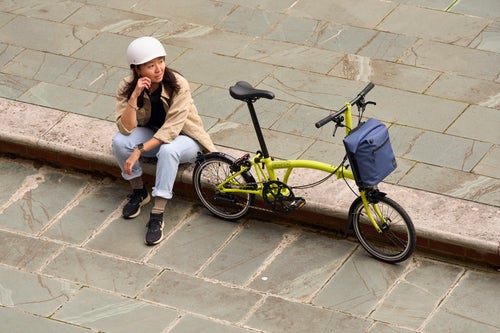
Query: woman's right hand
[{"x": 142, "y": 84}]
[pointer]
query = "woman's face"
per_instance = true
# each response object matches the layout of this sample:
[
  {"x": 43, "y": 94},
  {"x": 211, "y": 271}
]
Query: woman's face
[{"x": 153, "y": 69}]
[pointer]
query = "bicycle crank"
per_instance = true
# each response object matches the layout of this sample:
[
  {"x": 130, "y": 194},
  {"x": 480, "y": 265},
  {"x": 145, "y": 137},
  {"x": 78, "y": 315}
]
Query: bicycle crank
[{"x": 280, "y": 198}]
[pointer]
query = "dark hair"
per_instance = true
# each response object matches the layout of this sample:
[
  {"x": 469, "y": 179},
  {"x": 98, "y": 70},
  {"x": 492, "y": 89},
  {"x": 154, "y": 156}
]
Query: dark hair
[{"x": 169, "y": 81}]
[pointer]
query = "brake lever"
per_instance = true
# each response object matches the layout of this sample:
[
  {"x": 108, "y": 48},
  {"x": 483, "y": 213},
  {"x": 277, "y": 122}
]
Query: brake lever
[
  {"x": 362, "y": 104},
  {"x": 338, "y": 123}
]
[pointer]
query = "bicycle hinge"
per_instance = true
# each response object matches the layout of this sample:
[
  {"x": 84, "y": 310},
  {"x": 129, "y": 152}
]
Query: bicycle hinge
[
  {"x": 374, "y": 195},
  {"x": 200, "y": 157}
]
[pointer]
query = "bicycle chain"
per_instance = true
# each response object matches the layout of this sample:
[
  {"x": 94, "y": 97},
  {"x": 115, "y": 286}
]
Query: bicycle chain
[{"x": 257, "y": 207}]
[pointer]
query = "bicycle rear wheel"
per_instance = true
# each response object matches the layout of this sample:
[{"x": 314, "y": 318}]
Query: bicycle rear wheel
[
  {"x": 208, "y": 174},
  {"x": 397, "y": 240}
]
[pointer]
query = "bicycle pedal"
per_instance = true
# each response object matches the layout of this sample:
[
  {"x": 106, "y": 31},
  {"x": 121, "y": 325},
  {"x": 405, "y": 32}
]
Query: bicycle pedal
[{"x": 298, "y": 203}]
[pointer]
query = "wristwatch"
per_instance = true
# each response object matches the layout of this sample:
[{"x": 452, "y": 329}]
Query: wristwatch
[{"x": 140, "y": 146}]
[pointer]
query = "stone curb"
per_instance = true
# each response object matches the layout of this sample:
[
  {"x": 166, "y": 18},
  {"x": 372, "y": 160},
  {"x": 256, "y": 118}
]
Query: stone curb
[{"x": 445, "y": 226}]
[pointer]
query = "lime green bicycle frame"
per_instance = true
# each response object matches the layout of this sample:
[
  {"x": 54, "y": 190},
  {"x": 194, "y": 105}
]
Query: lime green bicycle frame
[{"x": 261, "y": 163}]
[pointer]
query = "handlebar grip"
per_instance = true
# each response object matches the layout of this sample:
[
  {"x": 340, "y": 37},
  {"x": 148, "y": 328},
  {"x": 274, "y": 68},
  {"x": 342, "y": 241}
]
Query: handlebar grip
[
  {"x": 323, "y": 121},
  {"x": 329, "y": 118},
  {"x": 366, "y": 89}
]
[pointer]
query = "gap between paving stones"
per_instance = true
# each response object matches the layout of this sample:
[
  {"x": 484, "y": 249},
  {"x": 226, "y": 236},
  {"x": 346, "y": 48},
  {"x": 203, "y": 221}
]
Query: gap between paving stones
[{"x": 444, "y": 225}]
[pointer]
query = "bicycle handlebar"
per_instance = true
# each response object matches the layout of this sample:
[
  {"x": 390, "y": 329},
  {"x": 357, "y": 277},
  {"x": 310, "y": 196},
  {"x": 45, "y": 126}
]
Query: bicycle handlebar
[
  {"x": 360, "y": 96},
  {"x": 366, "y": 89}
]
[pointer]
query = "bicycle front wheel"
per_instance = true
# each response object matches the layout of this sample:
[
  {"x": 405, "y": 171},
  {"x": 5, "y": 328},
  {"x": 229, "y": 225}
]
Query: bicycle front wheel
[
  {"x": 208, "y": 174},
  {"x": 397, "y": 239}
]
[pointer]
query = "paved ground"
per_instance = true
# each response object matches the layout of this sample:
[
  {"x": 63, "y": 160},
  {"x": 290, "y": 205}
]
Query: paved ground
[
  {"x": 70, "y": 263},
  {"x": 67, "y": 257}
]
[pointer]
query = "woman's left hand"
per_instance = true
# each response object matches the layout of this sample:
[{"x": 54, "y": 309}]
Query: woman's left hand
[{"x": 129, "y": 163}]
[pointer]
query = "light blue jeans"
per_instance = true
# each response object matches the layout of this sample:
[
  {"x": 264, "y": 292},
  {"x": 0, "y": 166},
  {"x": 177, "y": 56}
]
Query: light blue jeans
[{"x": 182, "y": 150}]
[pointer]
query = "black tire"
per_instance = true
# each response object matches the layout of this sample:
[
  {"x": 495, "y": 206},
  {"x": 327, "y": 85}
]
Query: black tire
[
  {"x": 397, "y": 240},
  {"x": 209, "y": 172}
]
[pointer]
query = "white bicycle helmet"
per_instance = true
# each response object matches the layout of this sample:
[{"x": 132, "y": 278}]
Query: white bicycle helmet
[{"x": 144, "y": 49}]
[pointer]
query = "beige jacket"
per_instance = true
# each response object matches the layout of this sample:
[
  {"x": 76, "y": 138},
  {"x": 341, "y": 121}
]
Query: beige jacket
[{"x": 182, "y": 115}]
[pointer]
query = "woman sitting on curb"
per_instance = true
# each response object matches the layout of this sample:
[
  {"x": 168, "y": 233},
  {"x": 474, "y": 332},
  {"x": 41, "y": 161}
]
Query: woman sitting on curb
[{"x": 156, "y": 116}]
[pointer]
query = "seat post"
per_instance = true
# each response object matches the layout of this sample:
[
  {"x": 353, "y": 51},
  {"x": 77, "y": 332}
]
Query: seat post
[{"x": 257, "y": 128}]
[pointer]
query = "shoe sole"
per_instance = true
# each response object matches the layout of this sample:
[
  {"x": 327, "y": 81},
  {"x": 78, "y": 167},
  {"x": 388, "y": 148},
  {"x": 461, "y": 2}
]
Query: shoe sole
[
  {"x": 154, "y": 243},
  {"x": 143, "y": 203}
]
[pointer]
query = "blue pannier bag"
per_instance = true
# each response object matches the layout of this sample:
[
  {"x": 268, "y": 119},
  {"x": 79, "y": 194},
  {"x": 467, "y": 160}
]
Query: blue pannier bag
[{"x": 370, "y": 153}]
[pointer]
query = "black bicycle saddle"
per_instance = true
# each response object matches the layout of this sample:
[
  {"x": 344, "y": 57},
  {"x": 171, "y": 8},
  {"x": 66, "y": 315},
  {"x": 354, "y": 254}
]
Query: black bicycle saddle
[{"x": 244, "y": 91}]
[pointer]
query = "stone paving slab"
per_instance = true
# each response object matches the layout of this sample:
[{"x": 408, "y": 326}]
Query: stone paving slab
[
  {"x": 39, "y": 295},
  {"x": 461, "y": 154},
  {"x": 429, "y": 54},
  {"x": 439, "y": 25},
  {"x": 197, "y": 295},
  {"x": 467, "y": 290},
  {"x": 255, "y": 243},
  {"x": 25, "y": 252},
  {"x": 355, "y": 67},
  {"x": 97, "y": 203},
  {"x": 55, "y": 188},
  {"x": 272, "y": 317},
  {"x": 14, "y": 319},
  {"x": 358, "y": 285},
  {"x": 418, "y": 295},
  {"x": 193, "y": 244},
  {"x": 114, "y": 313},
  {"x": 303, "y": 278},
  {"x": 460, "y": 88},
  {"x": 487, "y": 117}
]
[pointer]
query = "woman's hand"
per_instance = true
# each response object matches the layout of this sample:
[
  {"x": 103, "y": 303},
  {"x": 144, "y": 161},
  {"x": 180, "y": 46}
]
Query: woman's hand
[
  {"x": 129, "y": 115},
  {"x": 129, "y": 163},
  {"x": 144, "y": 83}
]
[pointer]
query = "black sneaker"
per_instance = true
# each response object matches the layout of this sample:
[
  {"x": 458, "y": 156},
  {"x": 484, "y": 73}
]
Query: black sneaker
[
  {"x": 138, "y": 198},
  {"x": 154, "y": 235}
]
